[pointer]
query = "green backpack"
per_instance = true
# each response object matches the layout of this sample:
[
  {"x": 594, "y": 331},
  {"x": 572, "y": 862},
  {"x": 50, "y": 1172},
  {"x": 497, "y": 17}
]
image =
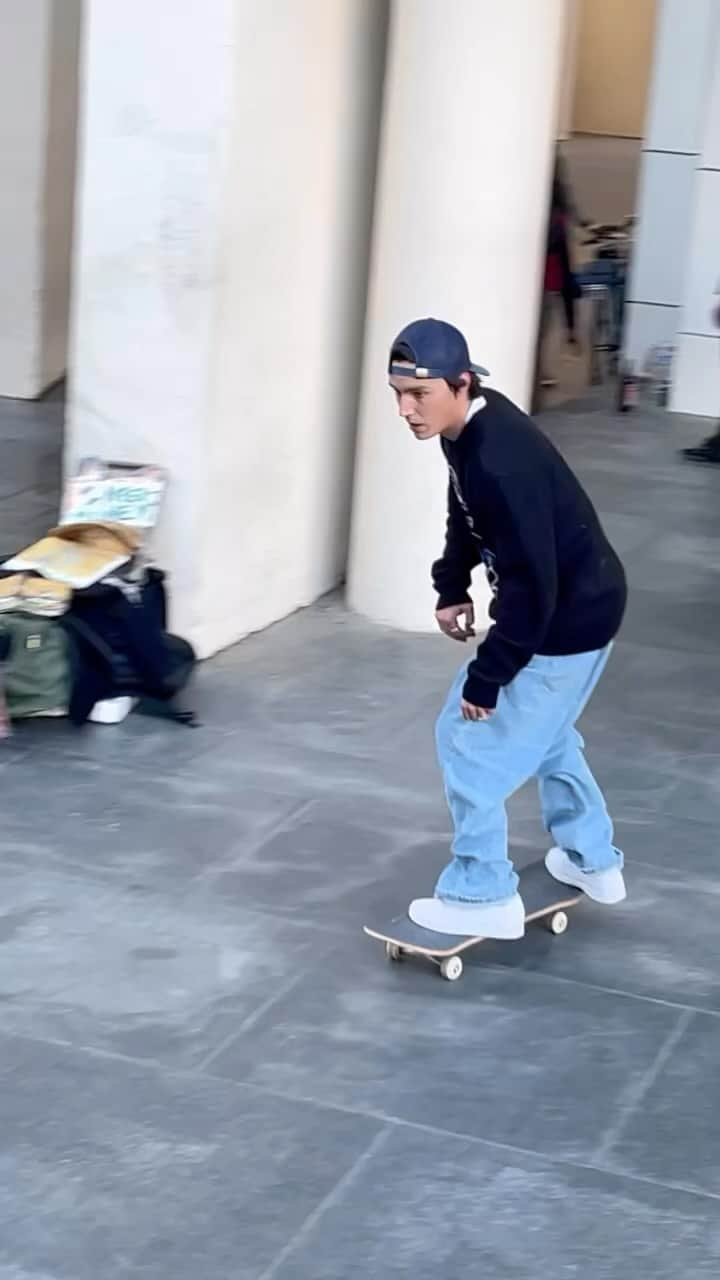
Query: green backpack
[{"x": 36, "y": 673}]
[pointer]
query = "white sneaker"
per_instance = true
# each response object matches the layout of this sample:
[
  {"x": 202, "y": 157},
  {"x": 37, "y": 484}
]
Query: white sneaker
[
  {"x": 607, "y": 887},
  {"x": 472, "y": 919},
  {"x": 112, "y": 710}
]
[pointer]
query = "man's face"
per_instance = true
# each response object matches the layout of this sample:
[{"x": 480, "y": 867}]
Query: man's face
[{"x": 429, "y": 406}]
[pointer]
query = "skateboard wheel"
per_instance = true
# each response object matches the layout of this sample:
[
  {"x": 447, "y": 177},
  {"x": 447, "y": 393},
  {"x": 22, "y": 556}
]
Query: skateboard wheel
[
  {"x": 393, "y": 951},
  {"x": 452, "y": 968},
  {"x": 558, "y": 922}
]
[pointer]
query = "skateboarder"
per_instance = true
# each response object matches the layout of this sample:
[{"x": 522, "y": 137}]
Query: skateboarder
[{"x": 559, "y": 597}]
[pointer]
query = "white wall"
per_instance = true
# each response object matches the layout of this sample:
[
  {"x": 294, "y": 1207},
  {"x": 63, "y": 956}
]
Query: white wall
[
  {"x": 682, "y": 75},
  {"x": 696, "y": 375},
  {"x": 677, "y": 259},
  {"x": 225, "y": 197},
  {"x": 614, "y": 58},
  {"x": 38, "y": 86}
]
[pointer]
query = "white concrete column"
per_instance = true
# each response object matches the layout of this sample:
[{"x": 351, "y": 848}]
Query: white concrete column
[
  {"x": 460, "y": 224},
  {"x": 686, "y": 37},
  {"x": 228, "y": 166},
  {"x": 38, "y": 110}
]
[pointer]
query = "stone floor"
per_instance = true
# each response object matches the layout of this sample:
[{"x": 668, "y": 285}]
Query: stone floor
[{"x": 208, "y": 1073}]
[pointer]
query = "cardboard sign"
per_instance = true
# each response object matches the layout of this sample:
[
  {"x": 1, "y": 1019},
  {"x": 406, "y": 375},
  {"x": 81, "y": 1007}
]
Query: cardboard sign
[{"x": 115, "y": 493}]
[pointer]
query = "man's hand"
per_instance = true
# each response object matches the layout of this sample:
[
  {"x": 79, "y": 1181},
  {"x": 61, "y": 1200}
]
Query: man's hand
[
  {"x": 470, "y": 712},
  {"x": 457, "y": 621}
]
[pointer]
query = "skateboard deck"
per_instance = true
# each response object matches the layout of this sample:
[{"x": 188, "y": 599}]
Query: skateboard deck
[{"x": 544, "y": 898}]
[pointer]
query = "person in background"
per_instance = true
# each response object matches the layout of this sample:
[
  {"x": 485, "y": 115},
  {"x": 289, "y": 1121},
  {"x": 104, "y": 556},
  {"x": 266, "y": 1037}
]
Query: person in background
[
  {"x": 709, "y": 450},
  {"x": 559, "y": 282}
]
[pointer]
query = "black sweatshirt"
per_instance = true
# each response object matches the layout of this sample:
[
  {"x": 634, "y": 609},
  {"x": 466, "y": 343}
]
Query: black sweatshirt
[{"x": 515, "y": 505}]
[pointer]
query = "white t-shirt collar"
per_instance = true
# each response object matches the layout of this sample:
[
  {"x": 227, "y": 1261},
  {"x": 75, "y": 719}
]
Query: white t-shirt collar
[{"x": 474, "y": 407}]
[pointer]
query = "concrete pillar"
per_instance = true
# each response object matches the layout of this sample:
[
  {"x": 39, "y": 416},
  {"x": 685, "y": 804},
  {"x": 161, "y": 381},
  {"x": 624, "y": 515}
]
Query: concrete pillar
[
  {"x": 228, "y": 167},
  {"x": 460, "y": 224},
  {"x": 38, "y": 109},
  {"x": 685, "y": 44}
]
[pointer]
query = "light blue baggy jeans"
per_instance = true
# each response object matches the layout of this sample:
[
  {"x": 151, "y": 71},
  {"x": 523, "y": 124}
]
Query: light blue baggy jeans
[{"x": 531, "y": 734}]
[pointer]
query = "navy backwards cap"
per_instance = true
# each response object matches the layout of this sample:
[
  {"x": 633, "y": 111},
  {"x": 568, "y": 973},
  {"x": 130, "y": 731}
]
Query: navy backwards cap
[{"x": 436, "y": 349}]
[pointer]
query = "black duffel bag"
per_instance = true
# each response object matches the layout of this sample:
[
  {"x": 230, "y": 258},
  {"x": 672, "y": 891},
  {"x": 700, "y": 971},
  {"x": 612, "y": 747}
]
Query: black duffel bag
[{"x": 120, "y": 647}]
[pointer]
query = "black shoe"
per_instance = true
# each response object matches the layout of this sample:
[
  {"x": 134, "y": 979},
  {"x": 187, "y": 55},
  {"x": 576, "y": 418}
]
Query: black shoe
[{"x": 709, "y": 451}]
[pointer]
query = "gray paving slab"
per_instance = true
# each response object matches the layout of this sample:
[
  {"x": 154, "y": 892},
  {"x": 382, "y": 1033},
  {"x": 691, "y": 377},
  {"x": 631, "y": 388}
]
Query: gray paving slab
[
  {"x": 677, "y": 1126},
  {"x": 163, "y": 975},
  {"x": 146, "y": 831},
  {"x": 206, "y": 1070},
  {"x": 112, "y": 1169},
  {"x": 426, "y": 1205},
  {"x": 503, "y": 1055}
]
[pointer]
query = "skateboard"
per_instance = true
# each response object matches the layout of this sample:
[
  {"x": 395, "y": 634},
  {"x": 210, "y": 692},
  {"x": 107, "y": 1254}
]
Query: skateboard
[{"x": 544, "y": 898}]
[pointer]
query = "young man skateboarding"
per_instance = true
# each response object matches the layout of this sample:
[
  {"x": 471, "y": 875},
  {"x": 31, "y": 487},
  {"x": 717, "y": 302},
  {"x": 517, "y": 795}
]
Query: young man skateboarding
[{"x": 559, "y": 597}]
